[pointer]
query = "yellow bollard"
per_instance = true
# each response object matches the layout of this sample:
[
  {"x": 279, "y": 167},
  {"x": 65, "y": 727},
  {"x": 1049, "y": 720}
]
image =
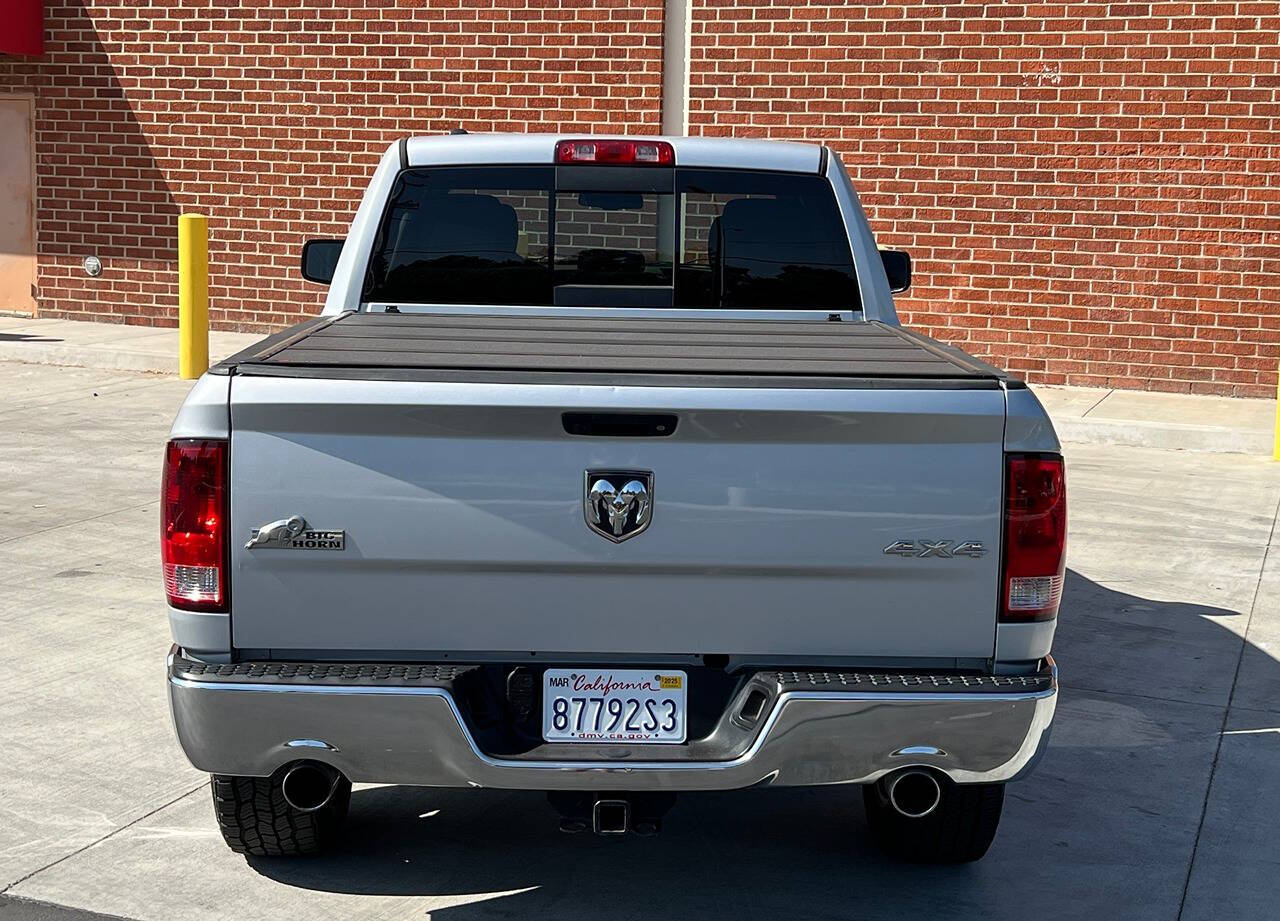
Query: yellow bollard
[{"x": 193, "y": 295}]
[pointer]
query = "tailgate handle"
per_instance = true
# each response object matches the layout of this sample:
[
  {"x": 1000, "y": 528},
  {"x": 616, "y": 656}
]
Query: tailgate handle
[{"x": 619, "y": 425}]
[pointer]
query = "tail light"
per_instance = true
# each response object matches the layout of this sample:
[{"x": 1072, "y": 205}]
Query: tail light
[
  {"x": 616, "y": 153},
  {"x": 193, "y": 524},
  {"x": 1035, "y": 537}
]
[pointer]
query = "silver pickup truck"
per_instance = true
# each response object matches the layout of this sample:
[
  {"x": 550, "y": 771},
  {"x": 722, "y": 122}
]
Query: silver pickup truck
[{"x": 608, "y": 471}]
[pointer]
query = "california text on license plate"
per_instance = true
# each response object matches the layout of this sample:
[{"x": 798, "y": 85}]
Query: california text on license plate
[{"x": 637, "y": 705}]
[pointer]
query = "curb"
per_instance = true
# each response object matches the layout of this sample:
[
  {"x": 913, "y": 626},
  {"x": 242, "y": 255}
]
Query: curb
[
  {"x": 106, "y": 359},
  {"x": 1169, "y": 436}
]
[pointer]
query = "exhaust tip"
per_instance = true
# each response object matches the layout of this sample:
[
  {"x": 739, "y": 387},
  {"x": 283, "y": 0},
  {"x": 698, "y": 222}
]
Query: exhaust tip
[
  {"x": 611, "y": 817},
  {"x": 914, "y": 793},
  {"x": 308, "y": 786}
]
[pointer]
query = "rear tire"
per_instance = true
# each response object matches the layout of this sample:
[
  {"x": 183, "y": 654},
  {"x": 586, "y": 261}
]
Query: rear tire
[
  {"x": 255, "y": 819},
  {"x": 959, "y": 830}
]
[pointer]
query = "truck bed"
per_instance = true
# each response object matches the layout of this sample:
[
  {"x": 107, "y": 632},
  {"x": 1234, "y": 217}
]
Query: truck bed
[{"x": 652, "y": 351}]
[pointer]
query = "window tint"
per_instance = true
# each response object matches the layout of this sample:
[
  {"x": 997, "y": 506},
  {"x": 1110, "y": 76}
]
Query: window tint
[
  {"x": 465, "y": 236},
  {"x": 762, "y": 241},
  {"x": 506, "y": 235},
  {"x": 611, "y": 238}
]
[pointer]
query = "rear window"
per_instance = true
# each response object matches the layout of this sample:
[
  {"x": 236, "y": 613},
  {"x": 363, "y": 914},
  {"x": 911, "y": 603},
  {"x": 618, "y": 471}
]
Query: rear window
[
  {"x": 464, "y": 236},
  {"x": 610, "y": 236}
]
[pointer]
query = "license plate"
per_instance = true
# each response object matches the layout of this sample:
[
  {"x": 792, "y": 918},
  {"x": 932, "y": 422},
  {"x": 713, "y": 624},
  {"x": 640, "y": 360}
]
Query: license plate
[{"x": 613, "y": 705}]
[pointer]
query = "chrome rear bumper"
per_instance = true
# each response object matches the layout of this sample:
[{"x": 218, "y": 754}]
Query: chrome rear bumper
[{"x": 377, "y": 732}]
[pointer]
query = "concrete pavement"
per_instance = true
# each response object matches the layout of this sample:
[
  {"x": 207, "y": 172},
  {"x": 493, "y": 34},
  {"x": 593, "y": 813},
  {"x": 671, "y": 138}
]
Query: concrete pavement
[
  {"x": 1177, "y": 421},
  {"x": 1156, "y": 799},
  {"x": 105, "y": 346},
  {"x": 1082, "y": 414},
  {"x": 15, "y": 909}
]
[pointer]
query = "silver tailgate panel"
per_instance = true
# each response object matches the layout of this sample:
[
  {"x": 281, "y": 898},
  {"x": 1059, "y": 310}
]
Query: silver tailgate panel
[{"x": 463, "y": 511}]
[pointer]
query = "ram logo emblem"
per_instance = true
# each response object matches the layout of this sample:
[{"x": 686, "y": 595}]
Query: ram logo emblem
[
  {"x": 618, "y": 503},
  {"x": 945, "y": 549}
]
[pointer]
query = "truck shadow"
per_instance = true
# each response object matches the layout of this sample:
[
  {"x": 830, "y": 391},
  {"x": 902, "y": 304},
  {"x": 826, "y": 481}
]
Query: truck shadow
[
  {"x": 26, "y": 337},
  {"x": 1116, "y": 800}
]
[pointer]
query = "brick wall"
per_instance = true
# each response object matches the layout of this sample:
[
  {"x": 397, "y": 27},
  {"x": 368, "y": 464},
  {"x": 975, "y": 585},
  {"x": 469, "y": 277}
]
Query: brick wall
[
  {"x": 270, "y": 115},
  {"x": 1091, "y": 191}
]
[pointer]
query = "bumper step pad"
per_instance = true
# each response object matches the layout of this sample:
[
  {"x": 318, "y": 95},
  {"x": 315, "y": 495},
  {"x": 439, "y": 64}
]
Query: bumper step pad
[
  {"x": 931, "y": 684},
  {"x": 430, "y": 675}
]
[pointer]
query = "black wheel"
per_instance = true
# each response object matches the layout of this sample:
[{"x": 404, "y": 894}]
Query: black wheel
[
  {"x": 255, "y": 819},
  {"x": 959, "y": 829}
]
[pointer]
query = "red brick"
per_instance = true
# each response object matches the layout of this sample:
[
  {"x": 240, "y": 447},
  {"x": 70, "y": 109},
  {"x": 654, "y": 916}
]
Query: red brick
[
  {"x": 1086, "y": 189},
  {"x": 1149, "y": 227},
  {"x": 250, "y": 115}
]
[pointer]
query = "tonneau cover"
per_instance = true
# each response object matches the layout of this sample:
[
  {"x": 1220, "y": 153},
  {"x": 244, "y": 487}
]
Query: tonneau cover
[{"x": 750, "y": 352}]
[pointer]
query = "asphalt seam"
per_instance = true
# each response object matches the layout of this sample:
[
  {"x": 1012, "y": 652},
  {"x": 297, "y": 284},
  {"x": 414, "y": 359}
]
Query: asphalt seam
[
  {"x": 1129, "y": 694},
  {"x": 1097, "y": 404},
  {"x": 110, "y": 834},
  {"x": 71, "y": 524},
  {"x": 77, "y": 395},
  {"x": 1226, "y": 715}
]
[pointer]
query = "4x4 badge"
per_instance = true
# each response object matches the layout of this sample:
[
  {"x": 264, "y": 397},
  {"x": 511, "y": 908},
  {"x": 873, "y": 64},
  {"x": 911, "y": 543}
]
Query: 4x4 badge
[{"x": 939, "y": 548}]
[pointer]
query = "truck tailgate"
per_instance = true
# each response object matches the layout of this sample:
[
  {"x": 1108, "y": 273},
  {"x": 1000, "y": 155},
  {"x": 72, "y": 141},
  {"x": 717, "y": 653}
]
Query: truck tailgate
[{"x": 461, "y": 499}]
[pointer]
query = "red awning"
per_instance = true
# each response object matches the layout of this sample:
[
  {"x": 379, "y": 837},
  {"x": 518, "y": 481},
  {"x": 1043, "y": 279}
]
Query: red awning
[{"x": 23, "y": 30}]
